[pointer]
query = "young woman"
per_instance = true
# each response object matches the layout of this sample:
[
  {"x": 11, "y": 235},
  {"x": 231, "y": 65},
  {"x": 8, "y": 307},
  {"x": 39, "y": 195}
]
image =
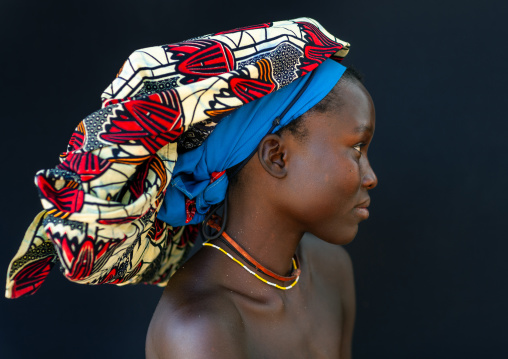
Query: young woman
[
  {"x": 263, "y": 119},
  {"x": 312, "y": 176}
]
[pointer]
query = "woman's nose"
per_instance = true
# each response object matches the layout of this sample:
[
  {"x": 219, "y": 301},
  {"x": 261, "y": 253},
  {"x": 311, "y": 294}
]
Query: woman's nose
[{"x": 369, "y": 179}]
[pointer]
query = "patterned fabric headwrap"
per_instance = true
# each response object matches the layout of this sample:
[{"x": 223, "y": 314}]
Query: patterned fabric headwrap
[{"x": 101, "y": 217}]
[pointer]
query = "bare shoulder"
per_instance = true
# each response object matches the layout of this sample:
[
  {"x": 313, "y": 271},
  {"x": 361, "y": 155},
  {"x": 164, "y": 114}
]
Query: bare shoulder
[{"x": 195, "y": 326}]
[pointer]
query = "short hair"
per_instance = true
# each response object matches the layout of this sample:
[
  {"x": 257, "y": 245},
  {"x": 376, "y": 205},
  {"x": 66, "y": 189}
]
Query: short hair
[
  {"x": 332, "y": 101},
  {"x": 297, "y": 127}
]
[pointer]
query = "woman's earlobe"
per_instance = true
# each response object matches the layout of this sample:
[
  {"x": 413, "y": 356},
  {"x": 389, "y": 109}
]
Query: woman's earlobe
[{"x": 272, "y": 155}]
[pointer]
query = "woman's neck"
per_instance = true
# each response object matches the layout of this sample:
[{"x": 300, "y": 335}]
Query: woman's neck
[{"x": 262, "y": 231}]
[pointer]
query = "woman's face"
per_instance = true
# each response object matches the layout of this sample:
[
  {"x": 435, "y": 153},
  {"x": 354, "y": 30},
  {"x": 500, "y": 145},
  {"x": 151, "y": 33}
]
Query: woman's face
[{"x": 329, "y": 174}]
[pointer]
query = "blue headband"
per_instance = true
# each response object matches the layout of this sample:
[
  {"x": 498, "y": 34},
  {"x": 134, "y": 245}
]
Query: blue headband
[{"x": 234, "y": 139}]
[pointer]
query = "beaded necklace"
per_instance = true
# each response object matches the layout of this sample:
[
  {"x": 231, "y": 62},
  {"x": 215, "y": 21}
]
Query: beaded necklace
[
  {"x": 254, "y": 273},
  {"x": 228, "y": 241}
]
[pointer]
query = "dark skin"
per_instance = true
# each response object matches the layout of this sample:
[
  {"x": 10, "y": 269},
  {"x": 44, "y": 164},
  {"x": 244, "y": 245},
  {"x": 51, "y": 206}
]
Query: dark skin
[{"x": 213, "y": 308}]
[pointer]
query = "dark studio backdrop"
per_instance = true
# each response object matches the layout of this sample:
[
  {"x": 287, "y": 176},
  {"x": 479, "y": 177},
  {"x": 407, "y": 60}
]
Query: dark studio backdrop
[{"x": 430, "y": 263}]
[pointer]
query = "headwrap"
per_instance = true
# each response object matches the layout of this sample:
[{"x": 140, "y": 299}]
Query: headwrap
[
  {"x": 101, "y": 202},
  {"x": 199, "y": 178}
]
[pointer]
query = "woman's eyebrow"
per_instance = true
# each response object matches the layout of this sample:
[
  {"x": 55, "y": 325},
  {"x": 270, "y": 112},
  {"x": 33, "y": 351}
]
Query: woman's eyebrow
[{"x": 364, "y": 128}]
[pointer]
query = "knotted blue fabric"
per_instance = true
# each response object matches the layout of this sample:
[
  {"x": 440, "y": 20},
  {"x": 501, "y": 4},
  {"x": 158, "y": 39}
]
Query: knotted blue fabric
[{"x": 234, "y": 139}]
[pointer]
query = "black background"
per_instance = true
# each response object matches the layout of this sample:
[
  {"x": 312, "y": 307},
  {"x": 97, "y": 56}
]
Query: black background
[{"x": 430, "y": 263}]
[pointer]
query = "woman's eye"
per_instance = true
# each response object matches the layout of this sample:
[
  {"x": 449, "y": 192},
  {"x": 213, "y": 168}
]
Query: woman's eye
[{"x": 358, "y": 147}]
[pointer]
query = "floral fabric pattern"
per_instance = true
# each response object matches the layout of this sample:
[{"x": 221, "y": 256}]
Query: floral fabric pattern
[{"x": 101, "y": 202}]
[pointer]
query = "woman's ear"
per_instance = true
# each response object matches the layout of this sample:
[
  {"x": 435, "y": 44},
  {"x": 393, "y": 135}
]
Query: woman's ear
[{"x": 272, "y": 155}]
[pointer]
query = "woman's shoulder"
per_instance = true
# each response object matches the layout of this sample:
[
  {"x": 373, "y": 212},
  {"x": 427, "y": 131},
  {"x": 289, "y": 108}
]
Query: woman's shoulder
[
  {"x": 194, "y": 318},
  {"x": 194, "y": 323}
]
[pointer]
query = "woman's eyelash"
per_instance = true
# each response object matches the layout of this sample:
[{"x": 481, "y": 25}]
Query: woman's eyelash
[{"x": 359, "y": 146}]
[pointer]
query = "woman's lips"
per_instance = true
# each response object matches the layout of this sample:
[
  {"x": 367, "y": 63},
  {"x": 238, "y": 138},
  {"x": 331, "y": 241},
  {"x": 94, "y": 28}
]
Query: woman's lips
[
  {"x": 363, "y": 212},
  {"x": 362, "y": 209}
]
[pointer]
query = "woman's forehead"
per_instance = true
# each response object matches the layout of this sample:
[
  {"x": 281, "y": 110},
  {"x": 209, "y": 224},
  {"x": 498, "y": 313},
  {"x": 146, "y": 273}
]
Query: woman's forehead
[{"x": 353, "y": 110}]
